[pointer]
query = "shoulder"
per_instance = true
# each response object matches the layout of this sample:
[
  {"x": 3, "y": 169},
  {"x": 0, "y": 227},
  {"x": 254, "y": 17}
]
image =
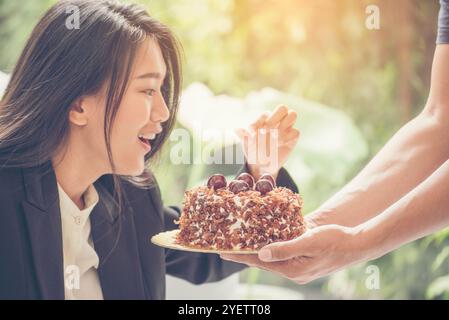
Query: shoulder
[
  {"x": 138, "y": 196},
  {"x": 147, "y": 206},
  {"x": 12, "y": 194},
  {"x": 11, "y": 183},
  {"x": 10, "y": 174}
]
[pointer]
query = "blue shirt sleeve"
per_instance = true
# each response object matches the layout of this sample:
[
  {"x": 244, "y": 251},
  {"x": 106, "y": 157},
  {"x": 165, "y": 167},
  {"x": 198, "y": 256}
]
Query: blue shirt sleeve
[{"x": 443, "y": 22}]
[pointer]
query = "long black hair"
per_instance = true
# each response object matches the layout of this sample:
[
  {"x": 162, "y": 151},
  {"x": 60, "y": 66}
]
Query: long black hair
[{"x": 60, "y": 64}]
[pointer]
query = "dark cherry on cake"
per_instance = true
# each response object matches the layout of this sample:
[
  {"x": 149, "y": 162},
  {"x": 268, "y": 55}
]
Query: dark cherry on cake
[
  {"x": 243, "y": 182},
  {"x": 217, "y": 181},
  {"x": 270, "y": 178},
  {"x": 237, "y": 186},
  {"x": 247, "y": 178},
  {"x": 264, "y": 186}
]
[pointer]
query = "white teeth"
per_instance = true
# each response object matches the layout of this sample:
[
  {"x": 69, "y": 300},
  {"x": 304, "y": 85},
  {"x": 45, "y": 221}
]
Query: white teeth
[{"x": 149, "y": 137}]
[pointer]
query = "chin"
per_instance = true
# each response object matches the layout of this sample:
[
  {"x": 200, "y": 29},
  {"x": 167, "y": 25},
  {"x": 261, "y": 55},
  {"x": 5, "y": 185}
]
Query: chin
[
  {"x": 134, "y": 170},
  {"x": 139, "y": 170}
]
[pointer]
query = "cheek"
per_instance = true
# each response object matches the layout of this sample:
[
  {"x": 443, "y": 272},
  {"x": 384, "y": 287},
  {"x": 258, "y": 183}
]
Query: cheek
[
  {"x": 133, "y": 110},
  {"x": 125, "y": 146},
  {"x": 125, "y": 130},
  {"x": 131, "y": 117},
  {"x": 127, "y": 153}
]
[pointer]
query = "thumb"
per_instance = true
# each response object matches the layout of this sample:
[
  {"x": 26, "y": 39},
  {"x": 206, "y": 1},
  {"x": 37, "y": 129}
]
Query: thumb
[
  {"x": 240, "y": 133},
  {"x": 286, "y": 250}
]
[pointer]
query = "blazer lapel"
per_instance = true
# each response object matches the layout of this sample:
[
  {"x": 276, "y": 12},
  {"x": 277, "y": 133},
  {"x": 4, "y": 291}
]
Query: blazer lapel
[
  {"x": 42, "y": 215},
  {"x": 115, "y": 242}
]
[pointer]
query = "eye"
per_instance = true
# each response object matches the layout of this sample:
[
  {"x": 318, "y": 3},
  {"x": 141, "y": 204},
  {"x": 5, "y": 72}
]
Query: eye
[{"x": 150, "y": 92}]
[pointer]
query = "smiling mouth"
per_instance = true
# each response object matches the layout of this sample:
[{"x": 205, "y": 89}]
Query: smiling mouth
[
  {"x": 146, "y": 141},
  {"x": 147, "y": 138}
]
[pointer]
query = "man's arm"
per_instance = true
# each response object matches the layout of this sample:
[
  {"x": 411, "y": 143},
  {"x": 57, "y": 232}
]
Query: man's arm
[
  {"x": 414, "y": 152},
  {"x": 421, "y": 212},
  {"x": 419, "y": 147}
]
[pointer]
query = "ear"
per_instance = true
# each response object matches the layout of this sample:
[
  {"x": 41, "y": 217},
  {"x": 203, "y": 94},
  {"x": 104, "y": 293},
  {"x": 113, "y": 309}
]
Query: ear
[{"x": 78, "y": 114}]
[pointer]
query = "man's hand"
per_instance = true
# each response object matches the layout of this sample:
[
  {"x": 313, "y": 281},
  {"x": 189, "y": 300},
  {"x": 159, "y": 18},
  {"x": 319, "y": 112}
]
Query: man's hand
[
  {"x": 317, "y": 253},
  {"x": 268, "y": 141}
]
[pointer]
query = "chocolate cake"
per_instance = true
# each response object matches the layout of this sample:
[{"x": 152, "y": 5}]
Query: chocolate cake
[{"x": 241, "y": 215}]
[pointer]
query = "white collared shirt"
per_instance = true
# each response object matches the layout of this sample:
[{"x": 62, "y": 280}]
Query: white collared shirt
[{"x": 80, "y": 257}]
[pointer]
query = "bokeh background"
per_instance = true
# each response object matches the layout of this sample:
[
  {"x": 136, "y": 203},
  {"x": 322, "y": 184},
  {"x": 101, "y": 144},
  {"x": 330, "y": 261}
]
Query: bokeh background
[{"x": 352, "y": 87}]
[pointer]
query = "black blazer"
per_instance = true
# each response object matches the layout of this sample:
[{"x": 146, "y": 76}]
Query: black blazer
[{"x": 131, "y": 267}]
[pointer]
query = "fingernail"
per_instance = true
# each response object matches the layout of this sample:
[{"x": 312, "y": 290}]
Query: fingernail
[{"x": 265, "y": 255}]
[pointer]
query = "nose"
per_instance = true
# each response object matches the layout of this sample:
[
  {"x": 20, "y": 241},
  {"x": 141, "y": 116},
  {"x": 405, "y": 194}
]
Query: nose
[{"x": 160, "y": 112}]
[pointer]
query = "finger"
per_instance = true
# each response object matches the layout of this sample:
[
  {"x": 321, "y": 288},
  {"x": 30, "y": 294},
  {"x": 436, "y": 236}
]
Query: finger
[
  {"x": 260, "y": 121},
  {"x": 278, "y": 114},
  {"x": 289, "y": 120},
  {"x": 290, "y": 136},
  {"x": 285, "y": 250},
  {"x": 249, "y": 259},
  {"x": 253, "y": 261},
  {"x": 290, "y": 143},
  {"x": 296, "y": 268}
]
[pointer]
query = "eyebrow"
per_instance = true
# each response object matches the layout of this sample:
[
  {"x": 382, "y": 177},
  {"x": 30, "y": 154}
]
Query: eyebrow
[{"x": 155, "y": 75}]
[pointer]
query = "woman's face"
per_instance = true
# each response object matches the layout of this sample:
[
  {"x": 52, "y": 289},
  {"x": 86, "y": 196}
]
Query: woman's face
[{"x": 141, "y": 112}]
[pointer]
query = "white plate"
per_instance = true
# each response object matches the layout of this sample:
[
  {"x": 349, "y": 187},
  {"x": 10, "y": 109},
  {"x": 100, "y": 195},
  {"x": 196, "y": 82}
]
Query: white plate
[{"x": 167, "y": 240}]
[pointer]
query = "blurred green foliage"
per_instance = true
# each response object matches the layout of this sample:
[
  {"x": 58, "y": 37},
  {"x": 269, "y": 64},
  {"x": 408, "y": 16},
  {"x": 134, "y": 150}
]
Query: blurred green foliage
[{"x": 316, "y": 50}]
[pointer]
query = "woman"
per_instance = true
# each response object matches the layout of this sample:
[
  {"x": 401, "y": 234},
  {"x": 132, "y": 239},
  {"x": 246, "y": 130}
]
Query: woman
[
  {"x": 400, "y": 196},
  {"x": 84, "y": 112}
]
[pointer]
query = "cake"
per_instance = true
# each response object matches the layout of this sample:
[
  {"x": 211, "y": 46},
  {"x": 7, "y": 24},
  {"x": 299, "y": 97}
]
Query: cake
[{"x": 241, "y": 215}]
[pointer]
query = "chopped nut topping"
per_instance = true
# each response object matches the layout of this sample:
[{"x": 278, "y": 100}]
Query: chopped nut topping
[{"x": 221, "y": 219}]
